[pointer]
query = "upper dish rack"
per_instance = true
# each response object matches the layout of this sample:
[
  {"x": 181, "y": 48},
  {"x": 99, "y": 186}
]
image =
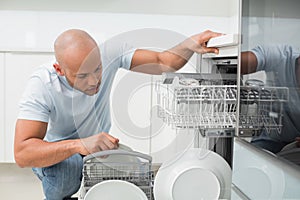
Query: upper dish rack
[{"x": 209, "y": 101}]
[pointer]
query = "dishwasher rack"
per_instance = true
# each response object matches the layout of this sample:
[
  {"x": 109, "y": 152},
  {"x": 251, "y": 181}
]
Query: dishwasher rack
[
  {"x": 137, "y": 171},
  {"x": 262, "y": 107},
  {"x": 192, "y": 107},
  {"x": 215, "y": 106}
]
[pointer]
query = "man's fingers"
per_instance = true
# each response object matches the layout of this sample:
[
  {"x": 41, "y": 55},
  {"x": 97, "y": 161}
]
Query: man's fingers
[
  {"x": 110, "y": 145},
  {"x": 210, "y": 50},
  {"x": 207, "y": 35},
  {"x": 111, "y": 138},
  {"x": 109, "y": 142}
]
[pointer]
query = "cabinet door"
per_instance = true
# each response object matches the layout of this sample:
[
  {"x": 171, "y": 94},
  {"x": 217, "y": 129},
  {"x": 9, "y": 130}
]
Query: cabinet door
[
  {"x": 129, "y": 108},
  {"x": 18, "y": 68},
  {"x": 2, "y": 138}
]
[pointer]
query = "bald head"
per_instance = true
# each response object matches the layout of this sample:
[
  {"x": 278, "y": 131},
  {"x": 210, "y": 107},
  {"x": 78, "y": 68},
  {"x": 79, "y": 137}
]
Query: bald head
[
  {"x": 72, "y": 47},
  {"x": 78, "y": 59}
]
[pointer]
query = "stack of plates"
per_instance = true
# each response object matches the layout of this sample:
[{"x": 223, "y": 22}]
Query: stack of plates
[{"x": 115, "y": 190}]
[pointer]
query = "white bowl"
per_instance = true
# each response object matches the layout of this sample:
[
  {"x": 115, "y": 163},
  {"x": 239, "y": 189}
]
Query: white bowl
[
  {"x": 189, "y": 82},
  {"x": 194, "y": 174},
  {"x": 115, "y": 190}
]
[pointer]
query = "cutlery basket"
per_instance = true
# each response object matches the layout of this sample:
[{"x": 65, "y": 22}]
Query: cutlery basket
[{"x": 136, "y": 170}]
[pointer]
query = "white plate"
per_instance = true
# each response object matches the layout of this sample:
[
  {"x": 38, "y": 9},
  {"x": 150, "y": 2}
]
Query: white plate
[
  {"x": 186, "y": 185},
  {"x": 194, "y": 174},
  {"x": 120, "y": 158},
  {"x": 115, "y": 190},
  {"x": 112, "y": 163}
]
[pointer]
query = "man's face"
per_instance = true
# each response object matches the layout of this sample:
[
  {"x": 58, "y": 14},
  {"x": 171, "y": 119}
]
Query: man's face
[{"x": 85, "y": 77}]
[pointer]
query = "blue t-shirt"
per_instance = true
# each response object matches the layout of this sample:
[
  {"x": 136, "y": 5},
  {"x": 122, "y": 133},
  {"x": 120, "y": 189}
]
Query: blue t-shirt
[
  {"x": 279, "y": 63},
  {"x": 70, "y": 113}
]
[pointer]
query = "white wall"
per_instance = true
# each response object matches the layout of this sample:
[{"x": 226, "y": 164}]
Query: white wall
[
  {"x": 214, "y": 8},
  {"x": 37, "y": 30}
]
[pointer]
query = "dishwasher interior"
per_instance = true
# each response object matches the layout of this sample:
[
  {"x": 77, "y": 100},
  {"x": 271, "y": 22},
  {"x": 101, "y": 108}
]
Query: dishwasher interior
[{"x": 216, "y": 103}]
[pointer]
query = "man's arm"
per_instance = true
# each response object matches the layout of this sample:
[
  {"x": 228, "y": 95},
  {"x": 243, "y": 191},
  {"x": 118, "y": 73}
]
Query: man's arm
[
  {"x": 248, "y": 62},
  {"x": 32, "y": 151},
  {"x": 173, "y": 59}
]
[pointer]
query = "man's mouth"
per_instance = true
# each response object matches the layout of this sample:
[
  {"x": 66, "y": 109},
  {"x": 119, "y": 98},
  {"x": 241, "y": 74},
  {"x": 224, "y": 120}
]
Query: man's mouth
[{"x": 93, "y": 89}]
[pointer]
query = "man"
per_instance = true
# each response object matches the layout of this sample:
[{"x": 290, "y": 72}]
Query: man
[
  {"x": 64, "y": 112},
  {"x": 282, "y": 66}
]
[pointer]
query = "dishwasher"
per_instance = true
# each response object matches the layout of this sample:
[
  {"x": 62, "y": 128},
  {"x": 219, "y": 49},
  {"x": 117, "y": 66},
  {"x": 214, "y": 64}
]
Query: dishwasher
[{"x": 217, "y": 104}]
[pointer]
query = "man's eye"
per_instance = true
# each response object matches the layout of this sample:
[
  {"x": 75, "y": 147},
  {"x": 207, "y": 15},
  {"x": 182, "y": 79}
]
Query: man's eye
[
  {"x": 98, "y": 69},
  {"x": 82, "y": 76}
]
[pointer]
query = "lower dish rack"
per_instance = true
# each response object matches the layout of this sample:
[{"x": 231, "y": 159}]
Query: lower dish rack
[
  {"x": 215, "y": 106},
  {"x": 137, "y": 171}
]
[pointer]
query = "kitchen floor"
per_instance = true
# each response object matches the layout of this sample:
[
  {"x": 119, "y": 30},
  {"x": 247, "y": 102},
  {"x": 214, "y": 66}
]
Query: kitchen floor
[{"x": 19, "y": 183}]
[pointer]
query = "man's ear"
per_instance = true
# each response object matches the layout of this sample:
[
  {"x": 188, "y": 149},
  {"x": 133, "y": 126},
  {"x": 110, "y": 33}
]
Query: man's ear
[{"x": 58, "y": 69}]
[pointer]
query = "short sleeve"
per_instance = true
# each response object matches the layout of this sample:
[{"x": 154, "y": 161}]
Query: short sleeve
[
  {"x": 260, "y": 54},
  {"x": 35, "y": 103},
  {"x": 127, "y": 55},
  {"x": 271, "y": 58},
  {"x": 116, "y": 54}
]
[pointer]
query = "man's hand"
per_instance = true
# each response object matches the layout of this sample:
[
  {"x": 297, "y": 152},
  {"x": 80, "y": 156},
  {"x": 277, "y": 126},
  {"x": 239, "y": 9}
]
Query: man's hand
[
  {"x": 198, "y": 42},
  {"x": 99, "y": 142}
]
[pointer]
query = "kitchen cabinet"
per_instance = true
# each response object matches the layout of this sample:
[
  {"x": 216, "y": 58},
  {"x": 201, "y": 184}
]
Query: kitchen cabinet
[
  {"x": 18, "y": 67},
  {"x": 2, "y": 138}
]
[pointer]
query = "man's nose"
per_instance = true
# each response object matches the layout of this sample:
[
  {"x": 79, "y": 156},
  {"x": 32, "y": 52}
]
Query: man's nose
[{"x": 93, "y": 80}]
